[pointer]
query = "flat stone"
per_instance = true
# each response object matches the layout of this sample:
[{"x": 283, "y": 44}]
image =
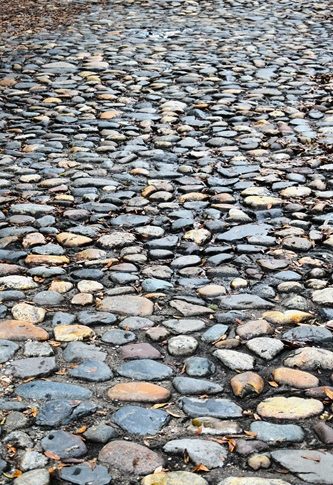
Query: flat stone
[
  {"x": 184, "y": 325},
  {"x": 321, "y": 297},
  {"x": 118, "y": 337},
  {"x": 289, "y": 317},
  {"x": 189, "y": 309},
  {"x": 33, "y": 477},
  {"x": 214, "y": 333},
  {"x": 265, "y": 347},
  {"x": 21, "y": 331},
  {"x": 84, "y": 474},
  {"x": 78, "y": 351},
  {"x": 127, "y": 305},
  {"x": 69, "y": 333},
  {"x": 116, "y": 239},
  {"x": 7, "y": 350},
  {"x": 89, "y": 318},
  {"x": 235, "y": 360},
  {"x": 28, "y": 313},
  {"x": 92, "y": 370},
  {"x": 309, "y": 465},
  {"x": 145, "y": 369},
  {"x": 310, "y": 358},
  {"x": 57, "y": 412},
  {"x": 71, "y": 240},
  {"x": 136, "y": 323},
  {"x": 16, "y": 282},
  {"x": 324, "y": 433},
  {"x": 216, "y": 408},
  {"x": 294, "y": 378},
  {"x": 140, "y": 421},
  {"x": 247, "y": 383},
  {"x": 34, "y": 367},
  {"x": 182, "y": 345},
  {"x": 211, "y": 291},
  {"x": 244, "y": 301},
  {"x": 173, "y": 478},
  {"x": 140, "y": 460},
  {"x": 188, "y": 385},
  {"x": 307, "y": 333},
  {"x": 140, "y": 351},
  {"x": 48, "y": 298},
  {"x": 31, "y": 460},
  {"x": 41, "y": 390},
  {"x": 199, "y": 367},
  {"x": 50, "y": 260},
  {"x": 289, "y": 408},
  {"x": 254, "y": 328},
  {"x": 63, "y": 444},
  {"x": 100, "y": 433},
  {"x": 277, "y": 433},
  {"x": 185, "y": 261},
  {"x": 138, "y": 392},
  {"x": 208, "y": 453}
]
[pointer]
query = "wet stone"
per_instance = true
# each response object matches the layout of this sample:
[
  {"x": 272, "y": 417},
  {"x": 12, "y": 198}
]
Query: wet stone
[
  {"x": 277, "y": 433},
  {"x": 41, "y": 390},
  {"x": 210, "y": 454},
  {"x": 199, "y": 367},
  {"x": 118, "y": 337},
  {"x": 216, "y": 408},
  {"x": 34, "y": 367}
]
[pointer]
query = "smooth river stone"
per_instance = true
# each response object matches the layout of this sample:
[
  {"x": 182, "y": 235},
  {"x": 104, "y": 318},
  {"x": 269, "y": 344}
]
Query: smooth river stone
[
  {"x": 127, "y": 305},
  {"x": 289, "y": 408}
]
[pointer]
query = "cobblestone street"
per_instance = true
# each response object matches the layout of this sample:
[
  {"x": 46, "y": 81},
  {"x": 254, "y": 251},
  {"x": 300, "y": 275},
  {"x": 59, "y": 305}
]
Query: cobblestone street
[{"x": 166, "y": 243}]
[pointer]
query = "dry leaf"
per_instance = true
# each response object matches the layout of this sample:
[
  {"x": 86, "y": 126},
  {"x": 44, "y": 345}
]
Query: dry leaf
[
  {"x": 200, "y": 468},
  {"x": 186, "y": 457},
  {"x": 31, "y": 412},
  {"x": 328, "y": 392},
  {"x": 273, "y": 384},
  {"x": 160, "y": 405},
  {"x": 250, "y": 434},
  {"x": 51, "y": 455},
  {"x": 316, "y": 460},
  {"x": 80, "y": 430}
]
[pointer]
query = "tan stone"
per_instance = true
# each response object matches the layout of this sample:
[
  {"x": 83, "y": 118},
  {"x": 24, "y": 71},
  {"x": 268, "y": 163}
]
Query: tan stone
[
  {"x": 289, "y": 408},
  {"x": 33, "y": 239},
  {"x": 61, "y": 286},
  {"x": 239, "y": 283},
  {"x": 173, "y": 478},
  {"x": 69, "y": 333},
  {"x": 294, "y": 378},
  {"x": 50, "y": 260},
  {"x": 138, "y": 392},
  {"x": 90, "y": 253},
  {"x": 199, "y": 236},
  {"x": 262, "y": 202},
  {"x": 254, "y": 328},
  {"x": 82, "y": 299},
  {"x": 20, "y": 331},
  {"x": 193, "y": 197},
  {"x": 288, "y": 317},
  {"x": 28, "y": 313},
  {"x": 247, "y": 383},
  {"x": 127, "y": 305},
  {"x": 89, "y": 286},
  {"x": 210, "y": 291},
  {"x": 71, "y": 240},
  {"x": 109, "y": 115}
]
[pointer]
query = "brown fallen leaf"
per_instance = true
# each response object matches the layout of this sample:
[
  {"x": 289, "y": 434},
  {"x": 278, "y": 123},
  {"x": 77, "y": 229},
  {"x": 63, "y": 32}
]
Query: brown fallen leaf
[
  {"x": 80, "y": 430},
  {"x": 273, "y": 384},
  {"x": 200, "y": 468},
  {"x": 51, "y": 455},
  {"x": 160, "y": 405},
  {"x": 15, "y": 474},
  {"x": 328, "y": 392},
  {"x": 186, "y": 457}
]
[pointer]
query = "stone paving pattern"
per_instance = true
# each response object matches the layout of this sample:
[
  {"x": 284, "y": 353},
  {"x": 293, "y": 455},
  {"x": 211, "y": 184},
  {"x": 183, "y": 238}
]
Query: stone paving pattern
[{"x": 166, "y": 246}]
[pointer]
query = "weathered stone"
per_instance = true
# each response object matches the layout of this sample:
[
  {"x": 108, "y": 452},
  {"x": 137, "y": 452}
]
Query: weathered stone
[
  {"x": 174, "y": 478},
  {"x": 28, "y": 313},
  {"x": 141, "y": 421},
  {"x": 69, "y": 333},
  {"x": 139, "y": 459},
  {"x": 127, "y": 305},
  {"x": 208, "y": 453},
  {"x": 294, "y": 378},
  {"x": 289, "y": 408},
  {"x": 310, "y": 358},
  {"x": 235, "y": 360},
  {"x": 246, "y": 384}
]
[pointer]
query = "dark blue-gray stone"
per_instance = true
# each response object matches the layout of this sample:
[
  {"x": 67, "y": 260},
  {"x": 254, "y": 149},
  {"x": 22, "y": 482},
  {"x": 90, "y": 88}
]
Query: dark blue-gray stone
[
  {"x": 216, "y": 408},
  {"x": 199, "y": 367},
  {"x": 145, "y": 369},
  {"x": 188, "y": 385},
  {"x": 308, "y": 333},
  {"x": 57, "y": 412},
  {"x": 52, "y": 390},
  {"x": 214, "y": 333},
  {"x": 7, "y": 350},
  {"x": 84, "y": 474},
  {"x": 63, "y": 444},
  {"x": 118, "y": 337},
  {"x": 141, "y": 421},
  {"x": 96, "y": 318},
  {"x": 92, "y": 370}
]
